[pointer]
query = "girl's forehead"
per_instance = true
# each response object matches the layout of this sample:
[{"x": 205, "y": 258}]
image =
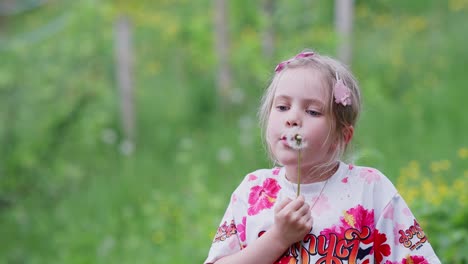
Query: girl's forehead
[{"x": 305, "y": 82}]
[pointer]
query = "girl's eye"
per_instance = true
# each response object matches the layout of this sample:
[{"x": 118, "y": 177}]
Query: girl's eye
[
  {"x": 313, "y": 113},
  {"x": 282, "y": 108}
]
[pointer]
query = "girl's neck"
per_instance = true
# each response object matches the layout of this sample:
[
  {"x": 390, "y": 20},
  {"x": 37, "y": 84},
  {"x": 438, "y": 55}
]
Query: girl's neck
[{"x": 311, "y": 174}]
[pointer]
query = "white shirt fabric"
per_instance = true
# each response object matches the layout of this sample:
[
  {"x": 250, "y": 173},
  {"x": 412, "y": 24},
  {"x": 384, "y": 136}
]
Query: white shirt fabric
[{"x": 359, "y": 217}]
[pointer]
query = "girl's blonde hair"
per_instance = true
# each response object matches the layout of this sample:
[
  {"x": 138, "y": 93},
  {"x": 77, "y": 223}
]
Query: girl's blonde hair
[{"x": 341, "y": 117}]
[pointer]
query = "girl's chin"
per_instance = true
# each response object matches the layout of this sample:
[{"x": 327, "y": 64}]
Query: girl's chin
[{"x": 288, "y": 161}]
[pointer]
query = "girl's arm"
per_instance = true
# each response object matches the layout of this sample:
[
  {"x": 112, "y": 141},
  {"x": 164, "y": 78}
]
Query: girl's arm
[{"x": 293, "y": 220}]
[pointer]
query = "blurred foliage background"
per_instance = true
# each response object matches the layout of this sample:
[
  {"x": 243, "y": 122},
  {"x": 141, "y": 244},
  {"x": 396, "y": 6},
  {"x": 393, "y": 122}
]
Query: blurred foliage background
[{"x": 73, "y": 189}]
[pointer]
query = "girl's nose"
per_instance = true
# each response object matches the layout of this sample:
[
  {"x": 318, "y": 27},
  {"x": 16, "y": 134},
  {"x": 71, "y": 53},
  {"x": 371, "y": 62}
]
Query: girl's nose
[
  {"x": 292, "y": 123},
  {"x": 293, "y": 120}
]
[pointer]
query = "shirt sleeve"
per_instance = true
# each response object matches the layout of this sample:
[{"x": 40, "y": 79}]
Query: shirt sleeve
[
  {"x": 407, "y": 242},
  {"x": 226, "y": 241}
]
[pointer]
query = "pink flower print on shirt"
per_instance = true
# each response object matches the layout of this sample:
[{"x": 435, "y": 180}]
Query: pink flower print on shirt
[
  {"x": 321, "y": 204},
  {"x": 396, "y": 232},
  {"x": 407, "y": 211},
  {"x": 234, "y": 198},
  {"x": 241, "y": 229},
  {"x": 350, "y": 166},
  {"x": 388, "y": 212},
  {"x": 409, "y": 260},
  {"x": 357, "y": 218},
  {"x": 263, "y": 197},
  {"x": 276, "y": 171},
  {"x": 344, "y": 180},
  {"x": 414, "y": 260},
  {"x": 252, "y": 177},
  {"x": 369, "y": 175}
]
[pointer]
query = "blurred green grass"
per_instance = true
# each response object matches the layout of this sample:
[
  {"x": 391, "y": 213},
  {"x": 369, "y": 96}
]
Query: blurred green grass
[{"x": 73, "y": 195}]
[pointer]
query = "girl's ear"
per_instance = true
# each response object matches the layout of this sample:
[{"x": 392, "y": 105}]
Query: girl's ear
[{"x": 348, "y": 133}]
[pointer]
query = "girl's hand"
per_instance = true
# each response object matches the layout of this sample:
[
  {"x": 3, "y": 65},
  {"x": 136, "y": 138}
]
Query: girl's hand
[{"x": 293, "y": 220}]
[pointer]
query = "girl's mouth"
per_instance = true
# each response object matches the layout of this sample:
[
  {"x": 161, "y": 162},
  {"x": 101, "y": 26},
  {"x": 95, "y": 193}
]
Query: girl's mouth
[{"x": 284, "y": 141}]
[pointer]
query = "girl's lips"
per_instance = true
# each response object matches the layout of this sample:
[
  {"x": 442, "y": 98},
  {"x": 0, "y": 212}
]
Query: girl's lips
[{"x": 285, "y": 142}]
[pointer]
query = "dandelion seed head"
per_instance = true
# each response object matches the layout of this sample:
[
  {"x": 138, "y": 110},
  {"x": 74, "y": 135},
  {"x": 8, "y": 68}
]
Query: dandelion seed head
[{"x": 294, "y": 139}]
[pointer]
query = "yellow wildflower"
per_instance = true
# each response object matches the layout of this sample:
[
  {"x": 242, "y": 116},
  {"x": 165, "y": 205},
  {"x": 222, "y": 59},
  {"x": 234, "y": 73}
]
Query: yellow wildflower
[
  {"x": 417, "y": 23},
  {"x": 438, "y": 166},
  {"x": 463, "y": 153},
  {"x": 442, "y": 191},
  {"x": 159, "y": 237},
  {"x": 362, "y": 11},
  {"x": 412, "y": 171},
  {"x": 459, "y": 185},
  {"x": 410, "y": 195},
  {"x": 457, "y": 5}
]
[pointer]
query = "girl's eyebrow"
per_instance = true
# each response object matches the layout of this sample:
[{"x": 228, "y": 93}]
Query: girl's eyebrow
[{"x": 313, "y": 101}]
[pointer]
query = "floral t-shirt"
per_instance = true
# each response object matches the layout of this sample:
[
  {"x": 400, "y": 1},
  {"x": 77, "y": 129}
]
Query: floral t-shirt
[{"x": 358, "y": 218}]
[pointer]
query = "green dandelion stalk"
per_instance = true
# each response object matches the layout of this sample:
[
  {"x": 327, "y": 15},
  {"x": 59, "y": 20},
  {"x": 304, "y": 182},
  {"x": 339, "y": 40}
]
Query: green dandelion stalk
[{"x": 298, "y": 139}]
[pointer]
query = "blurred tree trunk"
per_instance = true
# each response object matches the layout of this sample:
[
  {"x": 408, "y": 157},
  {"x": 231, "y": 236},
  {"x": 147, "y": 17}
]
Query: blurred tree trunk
[
  {"x": 6, "y": 6},
  {"x": 124, "y": 58},
  {"x": 268, "y": 38},
  {"x": 344, "y": 10},
  {"x": 222, "y": 47}
]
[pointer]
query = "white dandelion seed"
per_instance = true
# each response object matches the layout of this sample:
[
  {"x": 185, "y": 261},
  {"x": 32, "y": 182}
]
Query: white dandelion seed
[{"x": 294, "y": 139}]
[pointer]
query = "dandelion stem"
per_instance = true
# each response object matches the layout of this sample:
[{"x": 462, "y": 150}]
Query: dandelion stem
[
  {"x": 298, "y": 172},
  {"x": 299, "y": 142},
  {"x": 298, "y": 139}
]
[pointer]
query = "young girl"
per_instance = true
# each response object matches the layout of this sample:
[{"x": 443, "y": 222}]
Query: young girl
[{"x": 314, "y": 208}]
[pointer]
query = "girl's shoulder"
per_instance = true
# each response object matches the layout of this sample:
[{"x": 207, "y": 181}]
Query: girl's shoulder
[
  {"x": 371, "y": 180},
  {"x": 367, "y": 178},
  {"x": 367, "y": 174},
  {"x": 366, "y": 186}
]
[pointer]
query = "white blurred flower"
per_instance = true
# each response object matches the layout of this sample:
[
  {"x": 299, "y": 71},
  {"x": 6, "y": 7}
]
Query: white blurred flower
[
  {"x": 246, "y": 123},
  {"x": 107, "y": 244},
  {"x": 237, "y": 96},
  {"x": 109, "y": 136},
  {"x": 127, "y": 147},
  {"x": 186, "y": 143},
  {"x": 225, "y": 155}
]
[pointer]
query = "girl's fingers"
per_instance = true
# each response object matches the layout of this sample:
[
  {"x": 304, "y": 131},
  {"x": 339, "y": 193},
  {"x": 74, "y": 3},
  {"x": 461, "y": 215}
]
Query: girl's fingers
[
  {"x": 282, "y": 204},
  {"x": 305, "y": 210},
  {"x": 296, "y": 204}
]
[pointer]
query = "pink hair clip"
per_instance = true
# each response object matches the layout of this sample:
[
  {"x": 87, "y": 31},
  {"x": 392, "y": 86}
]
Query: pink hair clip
[
  {"x": 341, "y": 92},
  {"x": 301, "y": 55}
]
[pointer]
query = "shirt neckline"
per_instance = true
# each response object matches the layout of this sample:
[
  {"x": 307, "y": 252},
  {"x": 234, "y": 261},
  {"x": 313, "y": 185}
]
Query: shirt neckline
[{"x": 309, "y": 188}]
